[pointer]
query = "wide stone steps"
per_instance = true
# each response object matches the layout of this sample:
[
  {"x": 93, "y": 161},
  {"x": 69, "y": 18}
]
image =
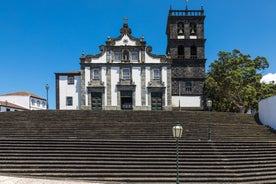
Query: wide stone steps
[
  {"x": 137, "y": 147},
  {"x": 139, "y": 160}
]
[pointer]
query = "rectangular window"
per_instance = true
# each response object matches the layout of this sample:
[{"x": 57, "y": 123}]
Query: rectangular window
[
  {"x": 96, "y": 74},
  {"x": 156, "y": 74},
  {"x": 70, "y": 80},
  {"x": 126, "y": 73},
  {"x": 69, "y": 101},
  {"x": 188, "y": 86},
  {"x": 135, "y": 56},
  {"x": 118, "y": 56}
]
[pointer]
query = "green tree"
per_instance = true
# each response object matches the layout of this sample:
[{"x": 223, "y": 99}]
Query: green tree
[
  {"x": 233, "y": 82},
  {"x": 267, "y": 90}
]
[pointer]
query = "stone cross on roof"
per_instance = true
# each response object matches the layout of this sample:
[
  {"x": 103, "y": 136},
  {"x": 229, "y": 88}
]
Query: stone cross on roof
[{"x": 125, "y": 20}]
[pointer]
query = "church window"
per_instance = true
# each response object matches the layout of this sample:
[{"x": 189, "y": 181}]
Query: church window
[
  {"x": 38, "y": 103},
  {"x": 188, "y": 86},
  {"x": 180, "y": 50},
  {"x": 193, "y": 51},
  {"x": 126, "y": 73},
  {"x": 156, "y": 74},
  {"x": 193, "y": 29},
  {"x": 135, "y": 56},
  {"x": 69, "y": 101},
  {"x": 180, "y": 28},
  {"x": 125, "y": 55},
  {"x": 96, "y": 74},
  {"x": 70, "y": 80},
  {"x": 43, "y": 104},
  {"x": 118, "y": 56},
  {"x": 33, "y": 102}
]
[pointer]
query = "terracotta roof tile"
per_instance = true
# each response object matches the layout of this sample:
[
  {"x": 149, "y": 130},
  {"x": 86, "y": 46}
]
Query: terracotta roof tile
[
  {"x": 8, "y": 104},
  {"x": 23, "y": 93}
]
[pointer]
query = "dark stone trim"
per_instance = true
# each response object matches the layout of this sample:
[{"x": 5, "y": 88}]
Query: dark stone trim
[{"x": 57, "y": 92}]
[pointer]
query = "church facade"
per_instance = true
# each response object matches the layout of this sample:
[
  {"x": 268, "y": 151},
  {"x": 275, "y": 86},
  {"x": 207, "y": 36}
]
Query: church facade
[{"x": 125, "y": 75}]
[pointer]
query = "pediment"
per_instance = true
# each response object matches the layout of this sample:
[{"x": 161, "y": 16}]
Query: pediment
[{"x": 125, "y": 40}]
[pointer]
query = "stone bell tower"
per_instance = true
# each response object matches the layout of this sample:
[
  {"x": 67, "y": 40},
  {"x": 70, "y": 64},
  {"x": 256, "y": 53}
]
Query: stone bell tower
[{"x": 186, "y": 51}]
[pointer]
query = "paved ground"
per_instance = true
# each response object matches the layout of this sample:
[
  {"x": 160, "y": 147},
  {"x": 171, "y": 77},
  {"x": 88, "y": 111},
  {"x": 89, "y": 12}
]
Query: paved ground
[{"x": 16, "y": 180}]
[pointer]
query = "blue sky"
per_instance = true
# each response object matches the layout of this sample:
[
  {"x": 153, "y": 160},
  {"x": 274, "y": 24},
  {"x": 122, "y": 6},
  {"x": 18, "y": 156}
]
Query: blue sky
[{"x": 41, "y": 37}]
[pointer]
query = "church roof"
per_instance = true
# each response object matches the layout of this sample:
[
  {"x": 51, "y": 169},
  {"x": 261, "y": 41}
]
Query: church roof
[
  {"x": 125, "y": 39},
  {"x": 69, "y": 73}
]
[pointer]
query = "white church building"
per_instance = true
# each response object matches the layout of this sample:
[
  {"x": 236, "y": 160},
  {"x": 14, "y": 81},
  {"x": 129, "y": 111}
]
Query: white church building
[{"x": 125, "y": 75}]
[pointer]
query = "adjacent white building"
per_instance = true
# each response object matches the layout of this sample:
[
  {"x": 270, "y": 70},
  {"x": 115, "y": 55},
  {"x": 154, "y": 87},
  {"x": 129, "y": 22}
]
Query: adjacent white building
[
  {"x": 6, "y": 106},
  {"x": 25, "y": 100},
  {"x": 267, "y": 111},
  {"x": 68, "y": 90},
  {"x": 124, "y": 76}
]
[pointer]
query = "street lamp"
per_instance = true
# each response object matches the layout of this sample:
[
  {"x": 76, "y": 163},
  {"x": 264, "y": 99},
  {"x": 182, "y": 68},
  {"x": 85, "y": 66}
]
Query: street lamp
[
  {"x": 209, "y": 105},
  {"x": 47, "y": 89},
  {"x": 177, "y": 133}
]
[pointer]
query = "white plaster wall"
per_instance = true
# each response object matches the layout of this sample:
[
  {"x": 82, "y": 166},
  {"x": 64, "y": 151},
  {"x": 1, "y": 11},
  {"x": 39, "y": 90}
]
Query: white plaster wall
[
  {"x": 69, "y": 90},
  {"x": 25, "y": 101},
  {"x": 267, "y": 109},
  {"x": 186, "y": 101},
  {"x": 104, "y": 79},
  {"x": 149, "y": 59},
  {"x": 38, "y": 104},
  {"x": 136, "y": 77},
  {"x": 164, "y": 79},
  {"x": 87, "y": 79},
  {"x": 4, "y": 109},
  {"x": 115, "y": 74},
  {"x": 101, "y": 59},
  {"x": 122, "y": 43},
  {"x": 147, "y": 81},
  {"x": 19, "y": 100},
  {"x": 78, "y": 91}
]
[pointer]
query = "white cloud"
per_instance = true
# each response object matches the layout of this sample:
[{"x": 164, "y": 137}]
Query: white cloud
[{"x": 269, "y": 78}]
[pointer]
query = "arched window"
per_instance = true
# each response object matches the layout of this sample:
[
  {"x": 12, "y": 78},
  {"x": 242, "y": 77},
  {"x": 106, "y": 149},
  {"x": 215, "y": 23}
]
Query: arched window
[
  {"x": 193, "y": 29},
  {"x": 125, "y": 55},
  {"x": 180, "y": 50},
  {"x": 180, "y": 28},
  {"x": 193, "y": 51}
]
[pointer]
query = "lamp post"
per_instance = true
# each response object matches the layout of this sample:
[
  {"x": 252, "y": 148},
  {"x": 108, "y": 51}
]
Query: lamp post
[
  {"x": 47, "y": 89},
  {"x": 209, "y": 105},
  {"x": 177, "y": 133}
]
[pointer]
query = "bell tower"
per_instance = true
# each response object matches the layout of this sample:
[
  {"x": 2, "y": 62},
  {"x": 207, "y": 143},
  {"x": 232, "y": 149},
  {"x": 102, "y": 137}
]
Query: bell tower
[{"x": 186, "y": 51}]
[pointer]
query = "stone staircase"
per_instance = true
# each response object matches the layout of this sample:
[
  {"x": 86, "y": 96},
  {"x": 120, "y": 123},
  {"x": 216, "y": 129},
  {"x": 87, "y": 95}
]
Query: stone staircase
[{"x": 136, "y": 147}]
